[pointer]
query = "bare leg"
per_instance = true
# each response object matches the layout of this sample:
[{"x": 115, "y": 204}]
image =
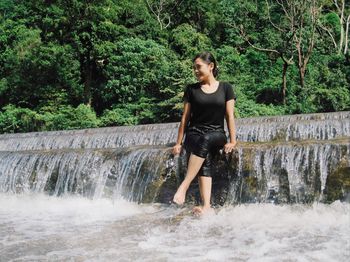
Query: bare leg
[
  {"x": 205, "y": 184},
  {"x": 205, "y": 189},
  {"x": 194, "y": 164}
]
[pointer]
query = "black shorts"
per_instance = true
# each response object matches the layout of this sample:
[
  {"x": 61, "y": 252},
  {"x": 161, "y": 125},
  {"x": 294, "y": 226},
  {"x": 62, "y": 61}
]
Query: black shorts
[{"x": 204, "y": 143}]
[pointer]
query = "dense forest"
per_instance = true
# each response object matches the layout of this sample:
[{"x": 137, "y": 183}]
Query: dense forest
[{"x": 68, "y": 64}]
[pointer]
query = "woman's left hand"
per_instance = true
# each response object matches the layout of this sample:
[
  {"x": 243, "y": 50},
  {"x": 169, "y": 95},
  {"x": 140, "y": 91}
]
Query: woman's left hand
[{"x": 229, "y": 147}]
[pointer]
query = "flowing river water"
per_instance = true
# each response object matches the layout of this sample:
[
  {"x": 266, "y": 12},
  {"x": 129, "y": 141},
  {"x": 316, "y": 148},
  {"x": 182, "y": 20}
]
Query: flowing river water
[
  {"x": 44, "y": 228},
  {"x": 103, "y": 195}
]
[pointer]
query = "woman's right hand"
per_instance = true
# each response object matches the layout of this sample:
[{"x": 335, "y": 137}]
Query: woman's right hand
[{"x": 177, "y": 149}]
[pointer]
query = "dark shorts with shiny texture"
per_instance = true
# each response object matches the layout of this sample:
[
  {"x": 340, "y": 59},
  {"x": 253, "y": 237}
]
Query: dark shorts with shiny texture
[{"x": 204, "y": 143}]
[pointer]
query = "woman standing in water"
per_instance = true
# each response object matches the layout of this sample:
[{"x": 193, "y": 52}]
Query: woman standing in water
[{"x": 206, "y": 103}]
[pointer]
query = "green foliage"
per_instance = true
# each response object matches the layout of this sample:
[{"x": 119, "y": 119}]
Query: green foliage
[
  {"x": 68, "y": 117},
  {"x": 118, "y": 117},
  {"x": 15, "y": 120},
  {"x": 188, "y": 42},
  {"x": 246, "y": 107},
  {"x": 81, "y": 64},
  {"x": 331, "y": 92},
  {"x": 204, "y": 17},
  {"x": 139, "y": 68},
  {"x": 141, "y": 112},
  {"x": 132, "y": 69},
  {"x": 33, "y": 71},
  {"x": 230, "y": 61}
]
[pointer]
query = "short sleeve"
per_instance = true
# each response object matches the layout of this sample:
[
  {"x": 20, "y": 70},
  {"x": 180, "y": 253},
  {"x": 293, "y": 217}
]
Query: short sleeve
[
  {"x": 229, "y": 94},
  {"x": 187, "y": 95}
]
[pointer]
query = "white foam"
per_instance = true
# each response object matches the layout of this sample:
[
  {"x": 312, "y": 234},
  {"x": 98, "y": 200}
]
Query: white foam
[
  {"x": 74, "y": 207},
  {"x": 259, "y": 233},
  {"x": 34, "y": 217},
  {"x": 39, "y": 227}
]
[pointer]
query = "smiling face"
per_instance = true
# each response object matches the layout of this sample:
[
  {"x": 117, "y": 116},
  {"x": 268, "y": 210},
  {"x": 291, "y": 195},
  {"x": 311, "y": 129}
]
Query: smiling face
[{"x": 202, "y": 70}]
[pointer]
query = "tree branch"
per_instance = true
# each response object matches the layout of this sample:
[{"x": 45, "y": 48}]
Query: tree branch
[
  {"x": 256, "y": 47},
  {"x": 157, "y": 12},
  {"x": 329, "y": 33},
  {"x": 269, "y": 15}
]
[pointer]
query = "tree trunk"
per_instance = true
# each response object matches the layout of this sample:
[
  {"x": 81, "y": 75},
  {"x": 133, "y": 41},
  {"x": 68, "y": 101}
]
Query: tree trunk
[
  {"x": 341, "y": 20},
  {"x": 347, "y": 35},
  {"x": 284, "y": 82},
  {"x": 87, "y": 84},
  {"x": 302, "y": 76},
  {"x": 301, "y": 64}
]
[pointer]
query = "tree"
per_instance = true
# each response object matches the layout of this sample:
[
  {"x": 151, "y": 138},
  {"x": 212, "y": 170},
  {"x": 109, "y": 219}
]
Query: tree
[
  {"x": 280, "y": 34},
  {"x": 336, "y": 24},
  {"x": 344, "y": 21},
  {"x": 138, "y": 68},
  {"x": 162, "y": 10},
  {"x": 131, "y": 60},
  {"x": 302, "y": 17},
  {"x": 187, "y": 42}
]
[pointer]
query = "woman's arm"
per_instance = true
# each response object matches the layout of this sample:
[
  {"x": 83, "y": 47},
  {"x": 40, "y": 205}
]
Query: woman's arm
[
  {"x": 184, "y": 120},
  {"x": 230, "y": 105}
]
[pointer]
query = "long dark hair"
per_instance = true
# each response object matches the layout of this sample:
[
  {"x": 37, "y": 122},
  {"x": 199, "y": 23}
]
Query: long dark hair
[{"x": 208, "y": 58}]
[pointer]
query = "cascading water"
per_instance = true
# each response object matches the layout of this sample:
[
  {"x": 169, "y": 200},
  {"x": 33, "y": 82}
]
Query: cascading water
[
  {"x": 103, "y": 194},
  {"x": 114, "y": 173}
]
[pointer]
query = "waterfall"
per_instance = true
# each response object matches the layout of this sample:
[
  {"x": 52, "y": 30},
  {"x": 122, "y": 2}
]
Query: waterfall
[
  {"x": 292, "y": 172},
  {"x": 126, "y": 173},
  {"x": 282, "y": 159},
  {"x": 256, "y": 129}
]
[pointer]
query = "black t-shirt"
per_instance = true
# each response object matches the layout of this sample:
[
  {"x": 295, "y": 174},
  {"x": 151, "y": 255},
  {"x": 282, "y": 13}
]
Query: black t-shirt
[{"x": 208, "y": 110}]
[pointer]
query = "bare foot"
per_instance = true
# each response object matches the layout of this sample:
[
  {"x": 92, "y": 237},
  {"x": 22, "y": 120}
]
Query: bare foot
[
  {"x": 179, "y": 197},
  {"x": 201, "y": 210}
]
